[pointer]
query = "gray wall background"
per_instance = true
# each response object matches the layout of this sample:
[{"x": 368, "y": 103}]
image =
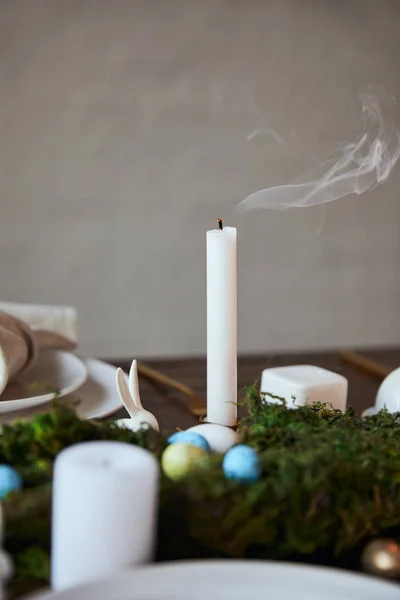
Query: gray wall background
[{"x": 123, "y": 136}]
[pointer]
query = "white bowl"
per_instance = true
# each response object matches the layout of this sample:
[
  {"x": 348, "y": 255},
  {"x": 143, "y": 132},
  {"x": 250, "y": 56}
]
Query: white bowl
[{"x": 388, "y": 395}]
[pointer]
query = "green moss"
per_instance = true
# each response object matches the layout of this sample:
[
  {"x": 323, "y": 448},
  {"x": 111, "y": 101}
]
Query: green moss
[{"x": 330, "y": 482}]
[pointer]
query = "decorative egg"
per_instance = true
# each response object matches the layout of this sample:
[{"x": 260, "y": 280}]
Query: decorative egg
[
  {"x": 10, "y": 480},
  {"x": 220, "y": 438},
  {"x": 382, "y": 557},
  {"x": 178, "y": 459},
  {"x": 242, "y": 463},
  {"x": 190, "y": 437}
]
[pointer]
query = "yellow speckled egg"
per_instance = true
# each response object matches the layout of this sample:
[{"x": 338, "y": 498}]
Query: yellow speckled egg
[{"x": 178, "y": 459}]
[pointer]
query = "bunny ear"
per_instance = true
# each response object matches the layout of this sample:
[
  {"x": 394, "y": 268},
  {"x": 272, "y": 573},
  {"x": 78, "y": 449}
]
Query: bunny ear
[
  {"x": 124, "y": 393},
  {"x": 134, "y": 384}
]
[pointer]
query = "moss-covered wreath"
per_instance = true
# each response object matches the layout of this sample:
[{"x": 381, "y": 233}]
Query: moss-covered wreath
[{"x": 330, "y": 482}]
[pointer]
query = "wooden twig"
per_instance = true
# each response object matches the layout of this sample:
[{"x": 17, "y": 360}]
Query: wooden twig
[
  {"x": 196, "y": 404},
  {"x": 369, "y": 366}
]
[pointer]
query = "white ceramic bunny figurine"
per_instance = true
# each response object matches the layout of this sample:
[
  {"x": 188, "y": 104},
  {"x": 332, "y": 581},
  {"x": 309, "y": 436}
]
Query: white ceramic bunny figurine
[{"x": 140, "y": 418}]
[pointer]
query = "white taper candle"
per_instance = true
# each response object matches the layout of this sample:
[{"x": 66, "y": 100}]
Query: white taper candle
[
  {"x": 104, "y": 511},
  {"x": 222, "y": 326}
]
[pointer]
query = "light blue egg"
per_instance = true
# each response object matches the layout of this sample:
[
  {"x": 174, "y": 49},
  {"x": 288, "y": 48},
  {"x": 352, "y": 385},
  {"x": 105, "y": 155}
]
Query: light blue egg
[
  {"x": 242, "y": 463},
  {"x": 191, "y": 438},
  {"x": 10, "y": 480}
]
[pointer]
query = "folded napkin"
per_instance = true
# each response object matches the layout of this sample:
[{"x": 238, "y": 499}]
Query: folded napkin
[
  {"x": 20, "y": 343},
  {"x": 14, "y": 349},
  {"x": 58, "y": 319}
]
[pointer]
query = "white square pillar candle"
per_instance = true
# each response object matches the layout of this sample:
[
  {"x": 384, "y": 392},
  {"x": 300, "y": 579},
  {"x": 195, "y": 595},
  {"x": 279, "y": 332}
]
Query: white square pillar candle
[
  {"x": 105, "y": 499},
  {"x": 305, "y": 384}
]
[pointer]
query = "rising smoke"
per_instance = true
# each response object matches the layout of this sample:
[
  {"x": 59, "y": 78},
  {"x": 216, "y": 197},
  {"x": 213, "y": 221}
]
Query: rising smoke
[{"x": 357, "y": 167}]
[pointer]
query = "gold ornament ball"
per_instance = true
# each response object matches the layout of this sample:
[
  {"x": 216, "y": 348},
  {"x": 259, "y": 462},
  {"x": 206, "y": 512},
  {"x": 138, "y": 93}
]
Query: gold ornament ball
[
  {"x": 178, "y": 459},
  {"x": 382, "y": 557}
]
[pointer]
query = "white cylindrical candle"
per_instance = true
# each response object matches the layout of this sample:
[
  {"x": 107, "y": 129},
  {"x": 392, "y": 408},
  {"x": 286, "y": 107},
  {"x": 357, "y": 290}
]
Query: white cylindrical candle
[
  {"x": 105, "y": 497},
  {"x": 221, "y": 326}
]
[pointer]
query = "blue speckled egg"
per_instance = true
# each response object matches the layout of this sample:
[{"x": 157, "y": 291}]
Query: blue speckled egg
[
  {"x": 242, "y": 463},
  {"x": 191, "y": 438},
  {"x": 10, "y": 480}
]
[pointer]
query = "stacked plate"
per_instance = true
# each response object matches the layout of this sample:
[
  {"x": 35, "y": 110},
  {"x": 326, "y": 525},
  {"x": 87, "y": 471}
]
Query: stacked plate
[
  {"x": 90, "y": 381},
  {"x": 37, "y": 365}
]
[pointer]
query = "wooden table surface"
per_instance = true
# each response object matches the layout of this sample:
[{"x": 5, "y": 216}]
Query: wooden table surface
[{"x": 171, "y": 408}]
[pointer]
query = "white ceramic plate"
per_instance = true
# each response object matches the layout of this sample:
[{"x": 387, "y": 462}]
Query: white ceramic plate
[
  {"x": 54, "y": 371},
  {"x": 233, "y": 580},
  {"x": 97, "y": 397}
]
